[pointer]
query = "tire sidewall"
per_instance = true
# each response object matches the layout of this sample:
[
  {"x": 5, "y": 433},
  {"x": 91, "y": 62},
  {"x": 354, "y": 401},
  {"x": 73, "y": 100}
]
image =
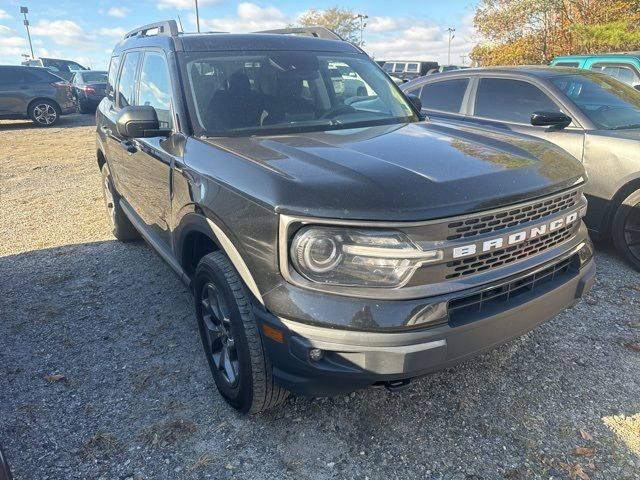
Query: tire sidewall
[
  {"x": 241, "y": 395},
  {"x": 43, "y": 102},
  {"x": 618, "y": 226}
]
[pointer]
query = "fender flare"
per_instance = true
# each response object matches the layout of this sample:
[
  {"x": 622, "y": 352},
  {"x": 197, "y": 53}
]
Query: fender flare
[{"x": 195, "y": 222}]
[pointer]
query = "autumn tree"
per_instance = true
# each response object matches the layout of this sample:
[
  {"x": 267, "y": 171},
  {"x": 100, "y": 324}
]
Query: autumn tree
[
  {"x": 535, "y": 31},
  {"x": 341, "y": 20}
]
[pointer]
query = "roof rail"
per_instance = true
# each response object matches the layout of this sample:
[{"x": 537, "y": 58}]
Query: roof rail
[
  {"x": 168, "y": 28},
  {"x": 318, "y": 32}
]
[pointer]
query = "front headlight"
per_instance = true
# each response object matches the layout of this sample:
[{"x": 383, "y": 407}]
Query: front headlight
[{"x": 357, "y": 257}]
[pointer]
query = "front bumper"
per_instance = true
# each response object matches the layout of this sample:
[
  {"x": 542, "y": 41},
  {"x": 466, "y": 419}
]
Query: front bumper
[{"x": 355, "y": 359}]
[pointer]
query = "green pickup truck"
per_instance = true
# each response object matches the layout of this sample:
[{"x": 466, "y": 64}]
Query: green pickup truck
[{"x": 623, "y": 66}]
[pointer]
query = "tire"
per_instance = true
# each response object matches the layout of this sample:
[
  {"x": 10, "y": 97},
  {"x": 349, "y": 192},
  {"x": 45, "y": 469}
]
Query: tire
[
  {"x": 44, "y": 113},
  {"x": 232, "y": 343},
  {"x": 626, "y": 229},
  {"x": 121, "y": 227},
  {"x": 82, "y": 108}
]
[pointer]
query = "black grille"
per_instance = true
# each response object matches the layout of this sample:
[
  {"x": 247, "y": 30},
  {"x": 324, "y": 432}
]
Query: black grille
[
  {"x": 492, "y": 301},
  {"x": 510, "y": 218},
  {"x": 497, "y": 258}
]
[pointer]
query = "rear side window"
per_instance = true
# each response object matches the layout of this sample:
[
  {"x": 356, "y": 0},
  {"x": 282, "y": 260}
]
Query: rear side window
[
  {"x": 113, "y": 74},
  {"x": 444, "y": 96},
  {"x": 15, "y": 76},
  {"x": 566, "y": 64},
  {"x": 510, "y": 100},
  {"x": 155, "y": 87},
  {"x": 399, "y": 68},
  {"x": 127, "y": 81}
]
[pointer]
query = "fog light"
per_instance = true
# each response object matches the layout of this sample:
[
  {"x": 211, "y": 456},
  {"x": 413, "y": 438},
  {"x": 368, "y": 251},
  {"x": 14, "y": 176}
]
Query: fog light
[{"x": 315, "y": 354}]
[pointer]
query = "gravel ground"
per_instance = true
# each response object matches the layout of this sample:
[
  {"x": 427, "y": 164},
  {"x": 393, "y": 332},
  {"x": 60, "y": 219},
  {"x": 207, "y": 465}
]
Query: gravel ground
[{"x": 102, "y": 374}]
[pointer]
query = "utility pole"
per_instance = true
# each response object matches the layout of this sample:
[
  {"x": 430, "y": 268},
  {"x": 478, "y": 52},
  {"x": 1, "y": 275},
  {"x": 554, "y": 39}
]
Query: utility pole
[
  {"x": 463, "y": 59},
  {"x": 25, "y": 10},
  {"x": 197, "y": 16},
  {"x": 362, "y": 18},
  {"x": 451, "y": 37}
]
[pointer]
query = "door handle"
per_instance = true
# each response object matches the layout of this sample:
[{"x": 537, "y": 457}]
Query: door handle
[{"x": 129, "y": 146}]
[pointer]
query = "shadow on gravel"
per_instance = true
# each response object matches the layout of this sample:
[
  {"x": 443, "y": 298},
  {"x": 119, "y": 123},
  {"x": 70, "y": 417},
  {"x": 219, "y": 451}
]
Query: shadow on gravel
[
  {"x": 66, "y": 121},
  {"x": 102, "y": 376}
]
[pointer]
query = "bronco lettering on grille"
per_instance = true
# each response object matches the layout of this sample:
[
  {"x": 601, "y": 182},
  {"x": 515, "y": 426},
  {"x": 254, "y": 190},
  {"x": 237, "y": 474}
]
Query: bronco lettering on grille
[{"x": 514, "y": 238}]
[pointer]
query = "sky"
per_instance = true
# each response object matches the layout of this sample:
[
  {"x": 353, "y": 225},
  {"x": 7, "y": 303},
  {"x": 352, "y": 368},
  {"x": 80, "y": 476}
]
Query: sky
[{"x": 86, "y": 30}]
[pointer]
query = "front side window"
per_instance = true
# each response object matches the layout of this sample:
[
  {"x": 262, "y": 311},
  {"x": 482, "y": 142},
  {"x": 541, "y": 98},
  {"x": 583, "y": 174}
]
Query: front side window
[
  {"x": 155, "y": 87},
  {"x": 445, "y": 96},
  {"x": 127, "y": 81},
  {"x": 605, "y": 101},
  {"x": 511, "y": 101},
  {"x": 265, "y": 92}
]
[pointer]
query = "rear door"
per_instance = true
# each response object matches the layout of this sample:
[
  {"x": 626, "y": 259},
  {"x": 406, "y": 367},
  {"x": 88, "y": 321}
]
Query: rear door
[
  {"x": 14, "y": 90},
  {"x": 509, "y": 103}
]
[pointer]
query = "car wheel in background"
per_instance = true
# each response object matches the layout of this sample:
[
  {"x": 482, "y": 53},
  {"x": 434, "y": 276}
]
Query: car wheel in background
[
  {"x": 230, "y": 337},
  {"x": 44, "y": 113},
  {"x": 121, "y": 227},
  {"x": 626, "y": 229}
]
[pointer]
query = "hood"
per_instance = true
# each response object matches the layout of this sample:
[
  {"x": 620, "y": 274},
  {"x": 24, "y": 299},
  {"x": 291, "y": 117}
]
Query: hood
[{"x": 408, "y": 172}]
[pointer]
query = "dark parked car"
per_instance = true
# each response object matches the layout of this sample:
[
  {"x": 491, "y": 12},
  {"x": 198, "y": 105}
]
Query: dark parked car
[
  {"x": 601, "y": 128},
  {"x": 62, "y": 68},
  {"x": 35, "y": 93},
  {"x": 330, "y": 244},
  {"x": 89, "y": 88}
]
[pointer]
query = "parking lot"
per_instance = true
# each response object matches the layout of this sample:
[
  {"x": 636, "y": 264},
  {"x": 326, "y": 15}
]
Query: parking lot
[{"x": 102, "y": 374}]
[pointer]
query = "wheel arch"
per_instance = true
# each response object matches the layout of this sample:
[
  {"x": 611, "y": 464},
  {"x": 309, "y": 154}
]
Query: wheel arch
[
  {"x": 197, "y": 236},
  {"x": 38, "y": 99},
  {"x": 623, "y": 192}
]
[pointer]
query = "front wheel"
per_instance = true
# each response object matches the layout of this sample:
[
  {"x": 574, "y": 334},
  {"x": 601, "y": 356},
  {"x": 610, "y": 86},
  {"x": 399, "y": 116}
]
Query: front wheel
[
  {"x": 626, "y": 229},
  {"x": 44, "y": 113},
  {"x": 240, "y": 366}
]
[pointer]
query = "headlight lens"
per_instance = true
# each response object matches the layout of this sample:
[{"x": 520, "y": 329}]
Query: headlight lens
[{"x": 354, "y": 257}]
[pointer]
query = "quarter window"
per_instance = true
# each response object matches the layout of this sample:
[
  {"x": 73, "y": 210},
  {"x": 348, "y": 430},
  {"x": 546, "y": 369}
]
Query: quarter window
[
  {"x": 155, "y": 87},
  {"x": 445, "y": 96},
  {"x": 510, "y": 100},
  {"x": 127, "y": 82},
  {"x": 113, "y": 74}
]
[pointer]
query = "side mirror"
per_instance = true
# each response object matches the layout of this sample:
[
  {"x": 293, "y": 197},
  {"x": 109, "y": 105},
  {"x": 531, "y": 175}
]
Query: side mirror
[
  {"x": 139, "y": 121},
  {"x": 637, "y": 87},
  {"x": 557, "y": 120},
  {"x": 415, "y": 101}
]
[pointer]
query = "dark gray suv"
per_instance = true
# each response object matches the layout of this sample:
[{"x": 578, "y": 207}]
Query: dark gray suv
[
  {"x": 331, "y": 242},
  {"x": 35, "y": 93}
]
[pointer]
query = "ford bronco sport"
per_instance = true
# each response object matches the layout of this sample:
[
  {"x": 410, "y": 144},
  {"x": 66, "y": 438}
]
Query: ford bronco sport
[{"x": 331, "y": 243}]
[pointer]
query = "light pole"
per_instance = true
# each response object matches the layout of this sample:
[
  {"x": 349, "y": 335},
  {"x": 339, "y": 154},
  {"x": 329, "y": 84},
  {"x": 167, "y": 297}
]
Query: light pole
[
  {"x": 25, "y": 10},
  {"x": 451, "y": 37},
  {"x": 197, "y": 17},
  {"x": 362, "y": 18}
]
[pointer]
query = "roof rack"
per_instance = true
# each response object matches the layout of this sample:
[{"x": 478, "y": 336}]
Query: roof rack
[
  {"x": 318, "y": 32},
  {"x": 168, "y": 28}
]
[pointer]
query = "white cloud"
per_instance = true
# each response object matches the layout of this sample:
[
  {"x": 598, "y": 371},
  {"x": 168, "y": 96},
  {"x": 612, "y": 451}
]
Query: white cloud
[
  {"x": 4, "y": 14},
  {"x": 388, "y": 38},
  {"x": 11, "y": 48},
  {"x": 116, "y": 32},
  {"x": 62, "y": 32},
  {"x": 250, "y": 18},
  {"x": 4, "y": 29},
  {"x": 184, "y": 4},
  {"x": 118, "y": 12}
]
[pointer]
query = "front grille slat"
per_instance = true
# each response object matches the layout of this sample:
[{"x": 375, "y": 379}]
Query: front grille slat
[
  {"x": 487, "y": 302},
  {"x": 487, "y": 223},
  {"x": 503, "y": 256}
]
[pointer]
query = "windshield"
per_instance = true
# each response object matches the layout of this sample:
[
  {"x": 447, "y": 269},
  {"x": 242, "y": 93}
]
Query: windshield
[
  {"x": 608, "y": 103},
  {"x": 265, "y": 93}
]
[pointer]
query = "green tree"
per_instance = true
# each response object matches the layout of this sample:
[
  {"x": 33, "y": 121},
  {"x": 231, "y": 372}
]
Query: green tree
[
  {"x": 341, "y": 20},
  {"x": 535, "y": 31}
]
